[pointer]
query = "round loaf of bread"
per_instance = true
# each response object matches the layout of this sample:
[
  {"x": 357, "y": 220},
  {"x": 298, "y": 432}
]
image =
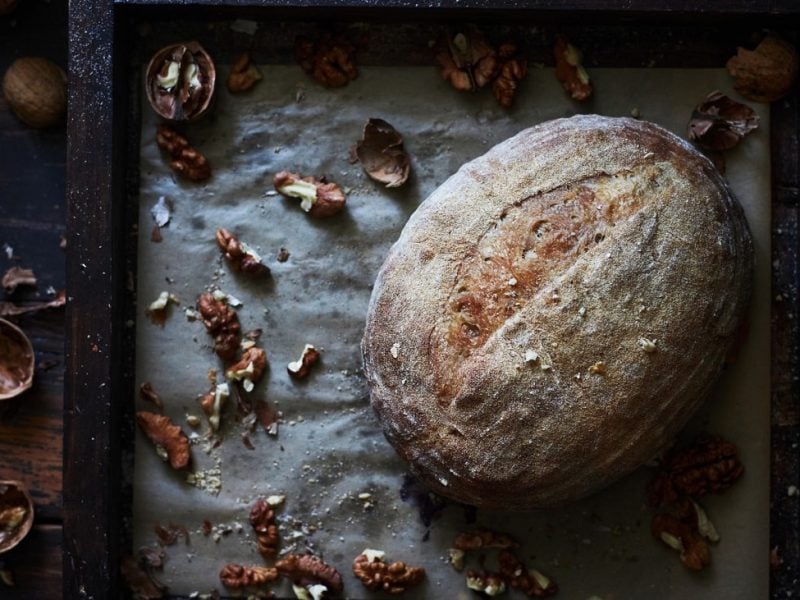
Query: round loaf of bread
[{"x": 555, "y": 312}]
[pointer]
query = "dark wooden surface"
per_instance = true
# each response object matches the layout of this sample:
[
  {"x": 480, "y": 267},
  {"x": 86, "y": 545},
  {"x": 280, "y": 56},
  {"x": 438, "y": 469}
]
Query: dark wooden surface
[{"x": 32, "y": 209}]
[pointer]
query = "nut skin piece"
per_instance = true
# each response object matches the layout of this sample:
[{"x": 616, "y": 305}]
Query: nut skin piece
[
  {"x": 570, "y": 71},
  {"x": 710, "y": 466},
  {"x": 162, "y": 432},
  {"x": 467, "y": 60},
  {"x": 483, "y": 539},
  {"x": 146, "y": 392},
  {"x": 326, "y": 200},
  {"x": 237, "y": 255},
  {"x": 719, "y": 123},
  {"x": 680, "y": 532},
  {"x": 222, "y": 322},
  {"x": 513, "y": 69},
  {"x": 243, "y": 76},
  {"x": 767, "y": 73},
  {"x": 186, "y": 161},
  {"x": 519, "y": 578},
  {"x": 301, "y": 368},
  {"x": 16, "y": 277},
  {"x": 262, "y": 518},
  {"x": 36, "y": 90},
  {"x": 179, "y": 81},
  {"x": 238, "y": 576},
  {"x": 307, "y": 570},
  {"x": 394, "y": 578},
  {"x": 328, "y": 60}
]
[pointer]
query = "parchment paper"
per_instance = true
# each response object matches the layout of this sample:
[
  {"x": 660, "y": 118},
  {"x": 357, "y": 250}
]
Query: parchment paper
[{"x": 330, "y": 448}]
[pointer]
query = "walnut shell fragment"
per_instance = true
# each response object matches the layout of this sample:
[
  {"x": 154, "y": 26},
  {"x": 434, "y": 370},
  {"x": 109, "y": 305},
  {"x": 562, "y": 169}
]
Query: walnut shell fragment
[
  {"x": 179, "y": 81},
  {"x": 306, "y": 569},
  {"x": 244, "y": 75},
  {"x": 167, "y": 437},
  {"x": 17, "y": 361},
  {"x": 381, "y": 154},
  {"x": 719, "y": 123},
  {"x": 376, "y": 575},
  {"x": 765, "y": 74},
  {"x": 16, "y": 514},
  {"x": 319, "y": 198}
]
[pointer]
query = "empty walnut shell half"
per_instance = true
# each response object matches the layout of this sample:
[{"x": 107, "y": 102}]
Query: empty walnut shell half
[
  {"x": 380, "y": 152},
  {"x": 16, "y": 361},
  {"x": 179, "y": 81},
  {"x": 16, "y": 514}
]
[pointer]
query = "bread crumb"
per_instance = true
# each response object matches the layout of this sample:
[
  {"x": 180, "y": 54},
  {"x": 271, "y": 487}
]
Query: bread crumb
[
  {"x": 598, "y": 368},
  {"x": 647, "y": 344},
  {"x": 395, "y": 350},
  {"x": 512, "y": 281},
  {"x": 531, "y": 356}
]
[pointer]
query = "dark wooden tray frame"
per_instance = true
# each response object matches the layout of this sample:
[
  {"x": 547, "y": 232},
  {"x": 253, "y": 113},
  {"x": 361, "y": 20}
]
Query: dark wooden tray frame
[{"x": 102, "y": 134}]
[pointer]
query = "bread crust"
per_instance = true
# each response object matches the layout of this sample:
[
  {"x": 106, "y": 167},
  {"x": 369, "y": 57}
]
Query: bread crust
[{"x": 506, "y": 344}]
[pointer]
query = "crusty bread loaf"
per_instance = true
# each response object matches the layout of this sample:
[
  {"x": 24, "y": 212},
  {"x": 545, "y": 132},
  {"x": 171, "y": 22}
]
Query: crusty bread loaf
[{"x": 554, "y": 312}]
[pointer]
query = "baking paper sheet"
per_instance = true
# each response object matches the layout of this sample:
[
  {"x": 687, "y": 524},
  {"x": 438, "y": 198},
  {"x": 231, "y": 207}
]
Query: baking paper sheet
[{"x": 330, "y": 448}]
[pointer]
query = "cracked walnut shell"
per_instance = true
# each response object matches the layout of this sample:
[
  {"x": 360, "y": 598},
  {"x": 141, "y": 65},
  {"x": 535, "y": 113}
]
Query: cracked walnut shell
[
  {"x": 17, "y": 361},
  {"x": 179, "y": 81},
  {"x": 16, "y": 514}
]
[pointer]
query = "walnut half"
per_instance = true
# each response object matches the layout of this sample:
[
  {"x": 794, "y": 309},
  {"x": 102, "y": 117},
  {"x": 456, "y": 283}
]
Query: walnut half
[
  {"x": 262, "y": 518},
  {"x": 376, "y": 575},
  {"x": 319, "y": 197},
  {"x": 186, "y": 160},
  {"x": 238, "y": 576},
  {"x": 304, "y": 570}
]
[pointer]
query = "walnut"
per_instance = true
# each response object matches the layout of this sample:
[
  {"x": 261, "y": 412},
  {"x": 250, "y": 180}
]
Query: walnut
[
  {"x": 146, "y": 392},
  {"x": 168, "y": 438},
  {"x": 512, "y": 70},
  {"x": 319, "y": 197},
  {"x": 17, "y": 359},
  {"x": 250, "y": 368},
  {"x": 244, "y": 75},
  {"x": 300, "y": 369},
  {"x": 222, "y": 322},
  {"x": 376, "y": 575},
  {"x": 283, "y": 255},
  {"x": 36, "y": 90},
  {"x": 157, "y": 309},
  {"x": 719, "y": 123},
  {"x": 180, "y": 81},
  {"x": 491, "y": 584},
  {"x": 683, "y": 529},
  {"x": 765, "y": 74},
  {"x": 570, "y": 71},
  {"x": 240, "y": 256},
  {"x": 213, "y": 402},
  {"x": 483, "y": 539},
  {"x": 238, "y": 576},
  {"x": 16, "y": 514},
  {"x": 710, "y": 466},
  {"x": 329, "y": 60},
  {"x": 305, "y": 569},
  {"x": 262, "y": 518},
  {"x": 381, "y": 154},
  {"x": 186, "y": 160},
  {"x": 533, "y": 583},
  {"x": 467, "y": 60}
]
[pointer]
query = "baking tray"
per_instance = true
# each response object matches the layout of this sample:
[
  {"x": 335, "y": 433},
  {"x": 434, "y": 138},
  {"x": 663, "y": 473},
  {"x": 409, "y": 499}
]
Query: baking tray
[{"x": 102, "y": 192}]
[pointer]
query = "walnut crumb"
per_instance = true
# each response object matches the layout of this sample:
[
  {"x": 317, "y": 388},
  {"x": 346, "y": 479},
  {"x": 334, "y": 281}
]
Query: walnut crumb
[
  {"x": 647, "y": 345},
  {"x": 598, "y": 368}
]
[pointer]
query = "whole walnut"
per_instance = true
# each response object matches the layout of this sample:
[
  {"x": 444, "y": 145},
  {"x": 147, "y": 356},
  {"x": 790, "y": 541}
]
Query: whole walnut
[{"x": 36, "y": 90}]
